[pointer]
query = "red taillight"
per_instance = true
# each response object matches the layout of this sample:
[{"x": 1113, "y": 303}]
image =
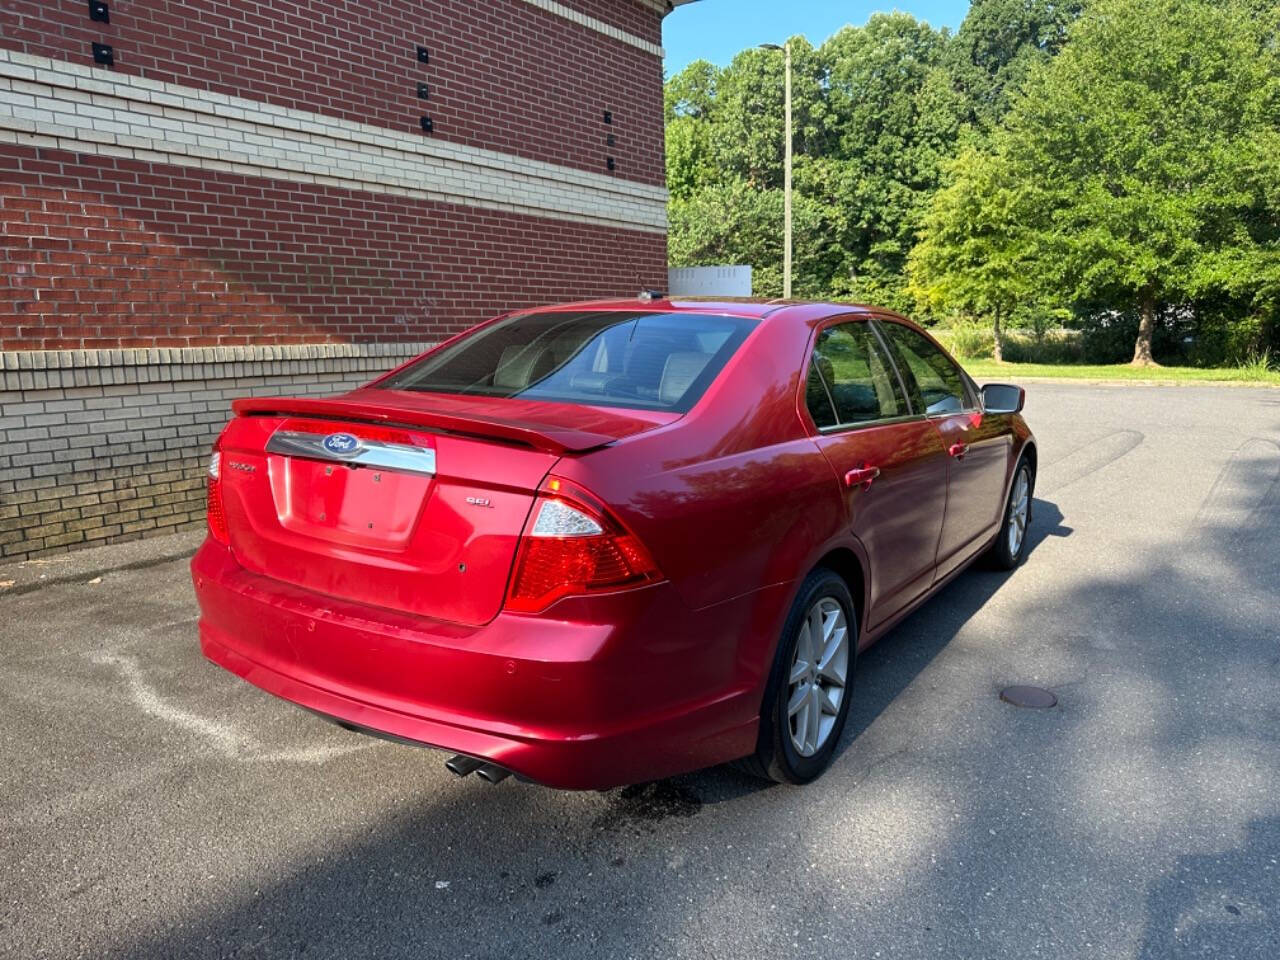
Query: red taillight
[
  {"x": 213, "y": 499},
  {"x": 572, "y": 546}
]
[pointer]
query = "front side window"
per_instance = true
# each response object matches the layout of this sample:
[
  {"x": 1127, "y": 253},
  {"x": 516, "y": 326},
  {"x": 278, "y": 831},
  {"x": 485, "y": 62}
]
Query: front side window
[
  {"x": 639, "y": 359},
  {"x": 850, "y": 379},
  {"x": 939, "y": 385}
]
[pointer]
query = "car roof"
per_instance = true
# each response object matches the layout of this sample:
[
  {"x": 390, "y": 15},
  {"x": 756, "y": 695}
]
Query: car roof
[{"x": 748, "y": 307}]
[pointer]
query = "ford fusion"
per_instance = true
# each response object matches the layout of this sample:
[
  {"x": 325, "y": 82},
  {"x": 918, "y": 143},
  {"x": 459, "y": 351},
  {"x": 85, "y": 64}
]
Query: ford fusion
[{"x": 602, "y": 543}]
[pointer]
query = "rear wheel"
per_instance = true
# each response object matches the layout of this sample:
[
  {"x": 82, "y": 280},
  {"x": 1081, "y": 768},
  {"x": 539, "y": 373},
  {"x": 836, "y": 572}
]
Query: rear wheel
[
  {"x": 810, "y": 686},
  {"x": 1011, "y": 544}
]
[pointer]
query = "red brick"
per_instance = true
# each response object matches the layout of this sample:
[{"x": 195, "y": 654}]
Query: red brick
[
  {"x": 324, "y": 265},
  {"x": 504, "y": 75}
]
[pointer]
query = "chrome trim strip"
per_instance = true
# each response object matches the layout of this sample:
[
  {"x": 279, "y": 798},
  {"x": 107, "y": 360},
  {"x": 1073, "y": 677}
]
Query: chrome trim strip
[
  {"x": 864, "y": 424},
  {"x": 371, "y": 453}
]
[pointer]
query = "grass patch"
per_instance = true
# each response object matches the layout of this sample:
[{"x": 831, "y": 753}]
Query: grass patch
[{"x": 989, "y": 370}]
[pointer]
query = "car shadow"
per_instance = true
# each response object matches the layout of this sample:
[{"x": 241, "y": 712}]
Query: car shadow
[
  {"x": 437, "y": 863},
  {"x": 889, "y": 667},
  {"x": 884, "y": 671}
]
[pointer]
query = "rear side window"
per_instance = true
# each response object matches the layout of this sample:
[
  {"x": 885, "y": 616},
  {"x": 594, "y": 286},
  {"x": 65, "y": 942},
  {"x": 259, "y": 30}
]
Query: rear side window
[
  {"x": 651, "y": 360},
  {"x": 850, "y": 379},
  {"x": 938, "y": 382}
]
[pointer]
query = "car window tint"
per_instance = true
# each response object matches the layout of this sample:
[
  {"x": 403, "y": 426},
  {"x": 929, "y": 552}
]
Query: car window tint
[
  {"x": 644, "y": 359},
  {"x": 938, "y": 380},
  {"x": 858, "y": 376}
]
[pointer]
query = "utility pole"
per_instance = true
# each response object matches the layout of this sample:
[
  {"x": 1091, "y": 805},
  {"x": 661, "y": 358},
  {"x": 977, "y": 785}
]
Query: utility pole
[
  {"x": 786, "y": 202},
  {"x": 786, "y": 258}
]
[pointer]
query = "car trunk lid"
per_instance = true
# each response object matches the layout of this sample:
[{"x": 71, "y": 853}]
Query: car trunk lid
[{"x": 411, "y": 503}]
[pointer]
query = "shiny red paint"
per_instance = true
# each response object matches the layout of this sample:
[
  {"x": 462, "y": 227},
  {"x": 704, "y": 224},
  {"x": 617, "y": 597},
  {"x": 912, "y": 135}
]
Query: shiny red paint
[{"x": 384, "y": 603}]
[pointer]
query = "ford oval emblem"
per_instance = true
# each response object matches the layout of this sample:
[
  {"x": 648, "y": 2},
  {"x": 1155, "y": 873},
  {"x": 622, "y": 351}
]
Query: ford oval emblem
[{"x": 341, "y": 444}]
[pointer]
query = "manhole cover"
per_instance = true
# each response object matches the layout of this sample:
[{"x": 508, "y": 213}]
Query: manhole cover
[{"x": 1034, "y": 697}]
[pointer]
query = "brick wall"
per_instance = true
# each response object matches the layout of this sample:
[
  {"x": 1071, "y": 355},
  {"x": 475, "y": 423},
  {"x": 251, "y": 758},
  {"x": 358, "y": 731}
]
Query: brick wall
[
  {"x": 245, "y": 204},
  {"x": 505, "y": 75},
  {"x": 107, "y": 252},
  {"x": 102, "y": 447}
]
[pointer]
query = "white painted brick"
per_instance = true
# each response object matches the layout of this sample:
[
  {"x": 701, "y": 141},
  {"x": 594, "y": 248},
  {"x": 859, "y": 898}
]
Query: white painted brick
[
  {"x": 306, "y": 148},
  {"x": 91, "y": 110},
  {"x": 32, "y": 114}
]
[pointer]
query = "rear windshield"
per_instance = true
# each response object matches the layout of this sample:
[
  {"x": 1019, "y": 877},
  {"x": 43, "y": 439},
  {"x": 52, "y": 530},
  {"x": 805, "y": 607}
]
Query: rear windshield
[{"x": 659, "y": 361}]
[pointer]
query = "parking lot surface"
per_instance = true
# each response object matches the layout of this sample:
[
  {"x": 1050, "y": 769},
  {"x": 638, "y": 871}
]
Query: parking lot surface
[{"x": 155, "y": 806}]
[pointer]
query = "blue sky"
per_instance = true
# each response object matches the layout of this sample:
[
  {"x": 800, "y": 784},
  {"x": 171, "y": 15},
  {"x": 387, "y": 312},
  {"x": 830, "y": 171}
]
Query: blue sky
[{"x": 717, "y": 29}]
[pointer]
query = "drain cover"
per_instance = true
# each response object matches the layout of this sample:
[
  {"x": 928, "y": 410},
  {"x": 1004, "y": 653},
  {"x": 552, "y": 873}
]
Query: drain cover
[{"x": 1034, "y": 697}]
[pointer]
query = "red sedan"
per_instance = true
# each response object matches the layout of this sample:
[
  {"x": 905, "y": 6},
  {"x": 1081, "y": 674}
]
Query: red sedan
[{"x": 601, "y": 543}]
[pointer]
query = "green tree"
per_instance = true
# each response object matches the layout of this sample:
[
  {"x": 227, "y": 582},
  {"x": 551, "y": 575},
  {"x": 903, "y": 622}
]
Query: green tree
[
  {"x": 892, "y": 126},
  {"x": 688, "y": 101},
  {"x": 691, "y": 92},
  {"x": 748, "y": 117},
  {"x": 996, "y": 47},
  {"x": 1141, "y": 156},
  {"x": 734, "y": 222},
  {"x": 975, "y": 255}
]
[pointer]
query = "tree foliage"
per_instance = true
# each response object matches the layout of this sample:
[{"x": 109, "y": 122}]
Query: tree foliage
[
  {"x": 873, "y": 121},
  {"x": 996, "y": 47},
  {"x": 977, "y": 253},
  {"x": 1135, "y": 167},
  {"x": 1117, "y": 157}
]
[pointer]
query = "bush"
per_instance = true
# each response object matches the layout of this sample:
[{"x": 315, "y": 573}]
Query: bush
[
  {"x": 975, "y": 340},
  {"x": 1044, "y": 346},
  {"x": 971, "y": 340},
  {"x": 1257, "y": 366}
]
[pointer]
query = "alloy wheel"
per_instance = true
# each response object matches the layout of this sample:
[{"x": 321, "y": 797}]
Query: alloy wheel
[
  {"x": 1019, "y": 506},
  {"x": 819, "y": 672}
]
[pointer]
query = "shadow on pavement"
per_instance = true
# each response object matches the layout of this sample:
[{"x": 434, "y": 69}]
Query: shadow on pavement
[
  {"x": 1219, "y": 904},
  {"x": 583, "y": 851}
]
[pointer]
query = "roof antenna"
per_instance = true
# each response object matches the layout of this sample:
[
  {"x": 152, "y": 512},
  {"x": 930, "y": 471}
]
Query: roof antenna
[{"x": 648, "y": 295}]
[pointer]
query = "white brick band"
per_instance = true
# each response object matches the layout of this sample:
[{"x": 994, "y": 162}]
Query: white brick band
[
  {"x": 608, "y": 29},
  {"x": 54, "y": 369},
  {"x": 66, "y": 106}
]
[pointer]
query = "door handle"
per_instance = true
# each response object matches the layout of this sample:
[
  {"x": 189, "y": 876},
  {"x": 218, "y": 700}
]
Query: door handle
[
  {"x": 861, "y": 476},
  {"x": 958, "y": 450}
]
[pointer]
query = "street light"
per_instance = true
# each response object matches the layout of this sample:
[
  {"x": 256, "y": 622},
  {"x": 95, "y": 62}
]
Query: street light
[{"x": 786, "y": 258}]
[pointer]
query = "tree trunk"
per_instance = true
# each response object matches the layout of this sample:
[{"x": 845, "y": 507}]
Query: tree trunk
[
  {"x": 998, "y": 349},
  {"x": 1146, "y": 331}
]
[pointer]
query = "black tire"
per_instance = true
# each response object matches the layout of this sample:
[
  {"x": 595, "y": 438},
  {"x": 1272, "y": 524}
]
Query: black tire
[
  {"x": 776, "y": 758},
  {"x": 1001, "y": 555}
]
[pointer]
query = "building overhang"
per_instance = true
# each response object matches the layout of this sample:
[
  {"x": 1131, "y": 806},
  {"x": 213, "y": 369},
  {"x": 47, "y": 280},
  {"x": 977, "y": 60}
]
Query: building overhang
[{"x": 666, "y": 6}]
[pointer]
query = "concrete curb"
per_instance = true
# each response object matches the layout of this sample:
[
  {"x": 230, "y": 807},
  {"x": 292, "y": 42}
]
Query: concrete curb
[
  {"x": 83, "y": 565},
  {"x": 1100, "y": 382}
]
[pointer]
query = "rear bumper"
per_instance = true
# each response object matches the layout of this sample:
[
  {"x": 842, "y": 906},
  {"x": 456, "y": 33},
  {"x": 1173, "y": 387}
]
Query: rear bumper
[{"x": 615, "y": 690}]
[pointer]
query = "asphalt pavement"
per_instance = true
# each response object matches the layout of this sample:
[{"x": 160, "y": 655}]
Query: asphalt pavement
[{"x": 155, "y": 806}]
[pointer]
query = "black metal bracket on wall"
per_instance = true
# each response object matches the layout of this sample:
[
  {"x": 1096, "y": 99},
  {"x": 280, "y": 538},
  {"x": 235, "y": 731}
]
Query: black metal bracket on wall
[
  {"x": 99, "y": 12},
  {"x": 103, "y": 54},
  {"x": 610, "y": 140},
  {"x": 424, "y": 91}
]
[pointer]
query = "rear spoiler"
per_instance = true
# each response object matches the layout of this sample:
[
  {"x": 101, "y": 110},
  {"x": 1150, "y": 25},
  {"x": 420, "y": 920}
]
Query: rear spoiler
[{"x": 556, "y": 440}]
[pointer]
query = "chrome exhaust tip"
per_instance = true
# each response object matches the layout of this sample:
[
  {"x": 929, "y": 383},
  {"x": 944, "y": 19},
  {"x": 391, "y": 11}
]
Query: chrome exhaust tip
[
  {"x": 492, "y": 773},
  {"x": 460, "y": 765}
]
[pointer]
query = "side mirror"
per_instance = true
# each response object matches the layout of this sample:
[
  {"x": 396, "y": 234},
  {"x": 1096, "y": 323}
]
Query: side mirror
[{"x": 1003, "y": 398}]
